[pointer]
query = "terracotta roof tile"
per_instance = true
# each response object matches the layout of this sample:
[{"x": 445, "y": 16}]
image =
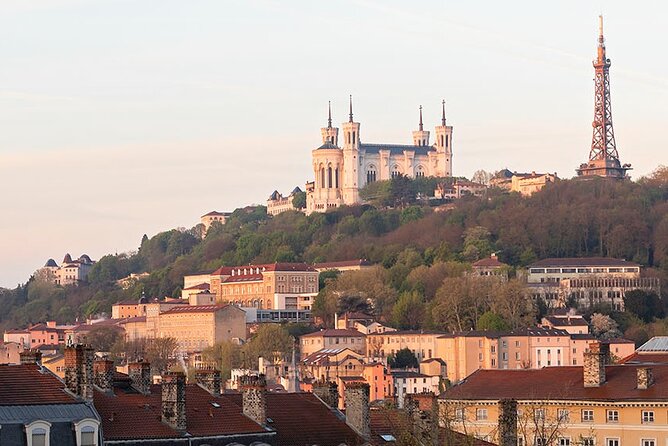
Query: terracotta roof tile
[
  {"x": 28, "y": 384},
  {"x": 332, "y": 332},
  {"x": 581, "y": 261}
]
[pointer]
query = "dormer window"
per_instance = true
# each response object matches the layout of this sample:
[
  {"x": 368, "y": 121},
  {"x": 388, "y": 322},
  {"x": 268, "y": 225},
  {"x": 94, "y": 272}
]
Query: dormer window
[
  {"x": 37, "y": 433},
  {"x": 87, "y": 432}
]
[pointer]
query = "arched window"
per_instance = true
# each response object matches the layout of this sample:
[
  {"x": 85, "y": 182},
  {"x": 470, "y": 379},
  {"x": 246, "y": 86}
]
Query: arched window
[
  {"x": 370, "y": 173},
  {"x": 37, "y": 433},
  {"x": 322, "y": 177},
  {"x": 329, "y": 177},
  {"x": 336, "y": 178},
  {"x": 419, "y": 172},
  {"x": 395, "y": 171},
  {"x": 446, "y": 140}
]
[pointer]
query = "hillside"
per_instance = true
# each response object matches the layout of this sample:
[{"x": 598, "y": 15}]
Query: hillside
[{"x": 572, "y": 218}]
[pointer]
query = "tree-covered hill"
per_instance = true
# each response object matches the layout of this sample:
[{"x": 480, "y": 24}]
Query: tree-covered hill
[{"x": 570, "y": 218}]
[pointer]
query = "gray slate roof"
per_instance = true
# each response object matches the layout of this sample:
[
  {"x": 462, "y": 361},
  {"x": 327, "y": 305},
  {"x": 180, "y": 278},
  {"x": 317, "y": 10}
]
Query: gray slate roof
[
  {"x": 396, "y": 149},
  {"x": 50, "y": 412}
]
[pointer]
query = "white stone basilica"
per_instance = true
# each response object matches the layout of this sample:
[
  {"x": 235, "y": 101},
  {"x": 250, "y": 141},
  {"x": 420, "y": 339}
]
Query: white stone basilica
[{"x": 340, "y": 172}]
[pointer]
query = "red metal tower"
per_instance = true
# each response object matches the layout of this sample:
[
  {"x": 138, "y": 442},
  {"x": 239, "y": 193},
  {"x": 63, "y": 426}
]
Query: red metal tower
[{"x": 603, "y": 156}]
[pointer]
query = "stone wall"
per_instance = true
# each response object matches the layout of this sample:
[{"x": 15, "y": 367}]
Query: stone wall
[
  {"x": 357, "y": 408},
  {"x": 328, "y": 392},
  {"x": 140, "y": 375},
  {"x": 79, "y": 370},
  {"x": 103, "y": 374},
  {"x": 174, "y": 400},
  {"x": 254, "y": 404},
  {"x": 645, "y": 377}
]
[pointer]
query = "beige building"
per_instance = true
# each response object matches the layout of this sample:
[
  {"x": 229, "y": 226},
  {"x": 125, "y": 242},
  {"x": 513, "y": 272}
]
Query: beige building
[
  {"x": 200, "y": 326},
  {"x": 291, "y": 286},
  {"x": 490, "y": 267},
  {"x": 459, "y": 188},
  {"x": 10, "y": 352},
  {"x": 594, "y": 404},
  {"x": 332, "y": 339},
  {"x": 69, "y": 272},
  {"x": 341, "y": 171},
  {"x": 524, "y": 183},
  {"x": 214, "y": 216},
  {"x": 330, "y": 364},
  {"x": 343, "y": 265},
  {"x": 586, "y": 281},
  {"x": 277, "y": 203}
]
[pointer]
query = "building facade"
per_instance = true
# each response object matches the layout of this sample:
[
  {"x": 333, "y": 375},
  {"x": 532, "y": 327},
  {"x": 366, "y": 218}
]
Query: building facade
[
  {"x": 69, "y": 272},
  {"x": 342, "y": 170},
  {"x": 332, "y": 339},
  {"x": 277, "y": 203}
]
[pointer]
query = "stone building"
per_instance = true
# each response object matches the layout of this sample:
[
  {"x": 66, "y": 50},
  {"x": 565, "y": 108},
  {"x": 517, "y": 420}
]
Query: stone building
[
  {"x": 69, "y": 272},
  {"x": 341, "y": 171},
  {"x": 586, "y": 282},
  {"x": 524, "y": 183},
  {"x": 332, "y": 339},
  {"x": 214, "y": 216},
  {"x": 277, "y": 203}
]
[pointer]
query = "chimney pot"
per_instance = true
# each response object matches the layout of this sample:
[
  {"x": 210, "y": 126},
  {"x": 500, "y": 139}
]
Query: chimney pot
[
  {"x": 645, "y": 377},
  {"x": 79, "y": 370},
  {"x": 103, "y": 372},
  {"x": 174, "y": 400},
  {"x": 140, "y": 375},
  {"x": 357, "y": 407},
  {"x": 253, "y": 397},
  {"x": 210, "y": 380}
]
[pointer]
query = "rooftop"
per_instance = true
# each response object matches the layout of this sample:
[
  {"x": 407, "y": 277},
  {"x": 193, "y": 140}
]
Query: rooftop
[
  {"x": 30, "y": 384},
  {"x": 332, "y": 332},
  {"x": 196, "y": 309},
  {"x": 582, "y": 262}
]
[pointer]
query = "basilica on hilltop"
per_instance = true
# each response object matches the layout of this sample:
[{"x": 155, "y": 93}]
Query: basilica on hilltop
[{"x": 342, "y": 170}]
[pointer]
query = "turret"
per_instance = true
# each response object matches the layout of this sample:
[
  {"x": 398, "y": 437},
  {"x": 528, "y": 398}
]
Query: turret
[
  {"x": 444, "y": 146},
  {"x": 330, "y": 135},
  {"x": 351, "y": 144},
  {"x": 420, "y": 136}
]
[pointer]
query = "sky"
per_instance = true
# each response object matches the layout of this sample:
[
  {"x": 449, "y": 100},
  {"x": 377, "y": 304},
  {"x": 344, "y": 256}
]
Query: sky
[{"x": 123, "y": 118}]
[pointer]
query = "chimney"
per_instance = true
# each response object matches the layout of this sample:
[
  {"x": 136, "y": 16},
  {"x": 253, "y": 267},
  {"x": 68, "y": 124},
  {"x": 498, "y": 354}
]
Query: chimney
[
  {"x": 507, "y": 425},
  {"x": 51, "y": 324},
  {"x": 174, "y": 400},
  {"x": 103, "y": 374},
  {"x": 357, "y": 407},
  {"x": 328, "y": 392},
  {"x": 140, "y": 375},
  {"x": 79, "y": 370},
  {"x": 210, "y": 380},
  {"x": 594, "y": 364},
  {"x": 421, "y": 409},
  {"x": 645, "y": 377},
  {"x": 31, "y": 357},
  {"x": 254, "y": 403}
]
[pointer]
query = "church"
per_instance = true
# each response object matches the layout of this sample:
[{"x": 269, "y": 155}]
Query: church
[{"x": 341, "y": 171}]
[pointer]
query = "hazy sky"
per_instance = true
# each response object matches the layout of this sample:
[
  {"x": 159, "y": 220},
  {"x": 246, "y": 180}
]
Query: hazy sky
[{"x": 119, "y": 118}]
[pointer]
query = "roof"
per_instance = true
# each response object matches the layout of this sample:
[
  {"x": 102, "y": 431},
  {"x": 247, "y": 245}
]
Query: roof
[
  {"x": 196, "y": 309},
  {"x": 200, "y": 286},
  {"x": 130, "y": 415},
  {"x": 646, "y": 358},
  {"x": 439, "y": 360},
  {"x": 332, "y": 332},
  {"x": 559, "y": 383},
  {"x": 581, "y": 262},
  {"x": 656, "y": 344},
  {"x": 567, "y": 322},
  {"x": 488, "y": 262},
  {"x": 30, "y": 384},
  {"x": 326, "y": 146},
  {"x": 50, "y": 264},
  {"x": 244, "y": 278},
  {"x": 408, "y": 374},
  {"x": 216, "y": 213},
  {"x": 227, "y": 270},
  {"x": 397, "y": 149},
  {"x": 410, "y": 332},
  {"x": 25, "y": 414},
  {"x": 341, "y": 264},
  {"x": 322, "y": 356}
]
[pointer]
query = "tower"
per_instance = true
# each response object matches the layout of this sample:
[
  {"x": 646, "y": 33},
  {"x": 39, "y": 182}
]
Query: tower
[
  {"x": 420, "y": 136},
  {"x": 330, "y": 134},
  {"x": 351, "y": 149},
  {"x": 444, "y": 147},
  {"x": 603, "y": 156}
]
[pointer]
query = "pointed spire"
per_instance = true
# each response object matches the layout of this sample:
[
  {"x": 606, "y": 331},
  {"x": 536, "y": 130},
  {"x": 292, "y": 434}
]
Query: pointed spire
[
  {"x": 350, "y": 117},
  {"x": 600, "y": 25},
  {"x": 421, "y": 127},
  {"x": 329, "y": 119},
  {"x": 443, "y": 116}
]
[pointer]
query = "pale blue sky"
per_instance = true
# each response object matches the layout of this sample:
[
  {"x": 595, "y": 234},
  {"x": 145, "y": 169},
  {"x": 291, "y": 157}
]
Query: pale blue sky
[{"x": 119, "y": 118}]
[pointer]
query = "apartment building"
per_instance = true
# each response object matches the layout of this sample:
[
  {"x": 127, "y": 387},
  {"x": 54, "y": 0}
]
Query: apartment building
[
  {"x": 593, "y": 404},
  {"x": 330, "y": 364},
  {"x": 332, "y": 339}
]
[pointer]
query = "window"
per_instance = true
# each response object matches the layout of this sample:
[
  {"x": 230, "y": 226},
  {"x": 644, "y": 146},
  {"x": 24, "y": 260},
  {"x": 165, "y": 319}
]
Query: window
[
  {"x": 460, "y": 414},
  {"x": 539, "y": 414},
  {"x": 612, "y": 416},
  {"x": 563, "y": 415},
  {"x": 481, "y": 414},
  {"x": 588, "y": 441},
  {"x": 540, "y": 441},
  {"x": 587, "y": 415},
  {"x": 563, "y": 441},
  {"x": 612, "y": 442},
  {"x": 37, "y": 433},
  {"x": 648, "y": 442},
  {"x": 648, "y": 416}
]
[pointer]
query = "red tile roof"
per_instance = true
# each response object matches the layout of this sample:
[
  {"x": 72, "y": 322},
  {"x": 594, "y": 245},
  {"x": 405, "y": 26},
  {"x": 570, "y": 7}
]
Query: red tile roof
[
  {"x": 646, "y": 358},
  {"x": 581, "y": 262},
  {"x": 559, "y": 383},
  {"x": 489, "y": 262},
  {"x": 195, "y": 309},
  {"x": 201, "y": 286},
  {"x": 227, "y": 270},
  {"x": 246, "y": 278},
  {"x": 28, "y": 385}
]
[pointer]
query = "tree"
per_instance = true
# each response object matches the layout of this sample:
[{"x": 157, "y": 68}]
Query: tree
[
  {"x": 103, "y": 338},
  {"x": 270, "y": 341},
  {"x": 299, "y": 200},
  {"x": 604, "y": 327},
  {"x": 403, "y": 359},
  {"x": 491, "y": 321},
  {"x": 645, "y": 304},
  {"x": 409, "y": 311},
  {"x": 482, "y": 177},
  {"x": 477, "y": 243},
  {"x": 226, "y": 355}
]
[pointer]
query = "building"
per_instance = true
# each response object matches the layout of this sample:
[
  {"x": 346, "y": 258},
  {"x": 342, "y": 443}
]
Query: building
[
  {"x": 283, "y": 286},
  {"x": 343, "y": 265},
  {"x": 603, "y": 156},
  {"x": 48, "y": 333},
  {"x": 214, "y": 216},
  {"x": 17, "y": 336},
  {"x": 37, "y": 410},
  {"x": 341, "y": 171},
  {"x": 70, "y": 272},
  {"x": 421, "y": 342},
  {"x": 525, "y": 184},
  {"x": 593, "y": 404},
  {"x": 196, "y": 327},
  {"x": 10, "y": 352},
  {"x": 256, "y": 315},
  {"x": 331, "y": 364},
  {"x": 586, "y": 282},
  {"x": 567, "y": 320},
  {"x": 332, "y": 339},
  {"x": 125, "y": 309},
  {"x": 459, "y": 188},
  {"x": 277, "y": 203},
  {"x": 490, "y": 267},
  {"x": 408, "y": 382},
  {"x": 379, "y": 378}
]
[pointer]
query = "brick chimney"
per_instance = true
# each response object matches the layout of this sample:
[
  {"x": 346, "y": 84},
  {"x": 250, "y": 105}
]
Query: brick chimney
[
  {"x": 31, "y": 357},
  {"x": 174, "y": 400},
  {"x": 328, "y": 392},
  {"x": 210, "y": 380},
  {"x": 594, "y": 364},
  {"x": 421, "y": 410},
  {"x": 254, "y": 402},
  {"x": 140, "y": 375},
  {"x": 103, "y": 374},
  {"x": 507, "y": 425},
  {"x": 357, "y": 408},
  {"x": 79, "y": 370},
  {"x": 645, "y": 377}
]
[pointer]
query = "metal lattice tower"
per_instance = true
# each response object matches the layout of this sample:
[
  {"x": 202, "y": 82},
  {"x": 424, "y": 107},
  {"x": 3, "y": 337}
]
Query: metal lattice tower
[{"x": 603, "y": 156}]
